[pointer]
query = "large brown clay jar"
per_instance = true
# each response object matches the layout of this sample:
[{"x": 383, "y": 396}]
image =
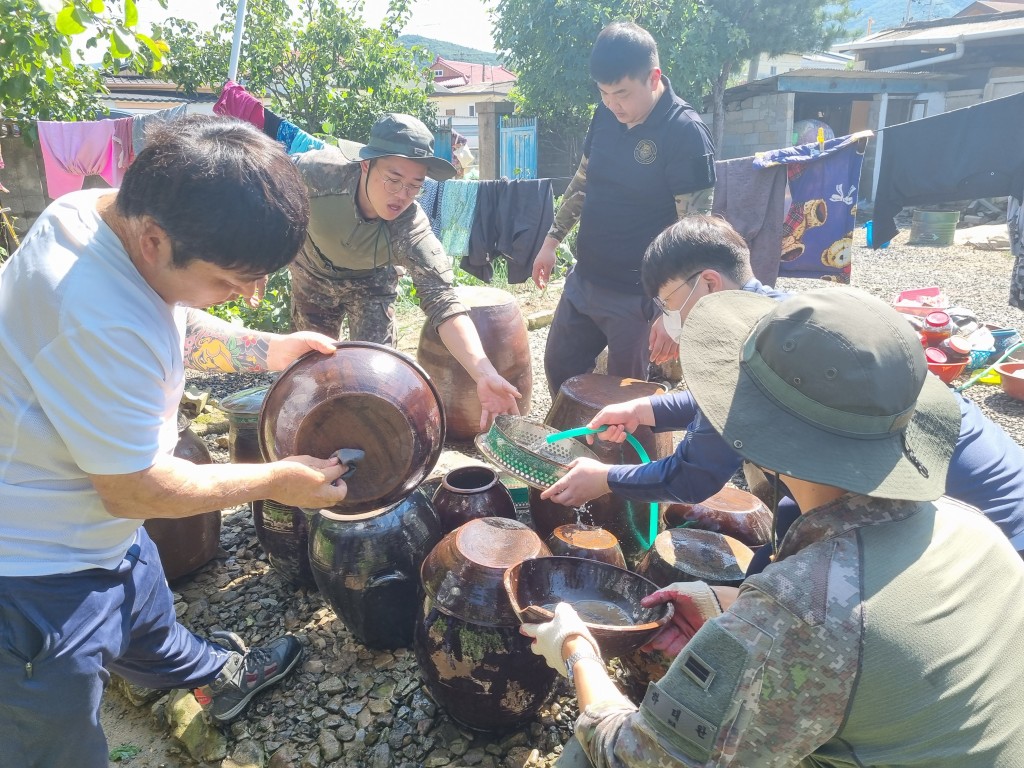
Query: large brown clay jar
[
  {"x": 186, "y": 544},
  {"x": 502, "y": 330},
  {"x": 468, "y": 493},
  {"x": 367, "y": 566},
  {"x": 577, "y": 402},
  {"x": 473, "y": 658}
]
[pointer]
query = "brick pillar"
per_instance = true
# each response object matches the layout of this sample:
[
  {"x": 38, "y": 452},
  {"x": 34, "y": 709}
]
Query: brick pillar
[{"x": 489, "y": 118}]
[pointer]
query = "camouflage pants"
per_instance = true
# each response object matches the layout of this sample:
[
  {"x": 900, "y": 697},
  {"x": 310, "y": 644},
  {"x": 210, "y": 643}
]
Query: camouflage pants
[{"x": 321, "y": 304}]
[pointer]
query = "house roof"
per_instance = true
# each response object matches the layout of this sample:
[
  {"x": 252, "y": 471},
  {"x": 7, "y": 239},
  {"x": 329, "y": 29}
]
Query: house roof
[
  {"x": 991, "y": 6},
  {"x": 851, "y": 81},
  {"x": 942, "y": 31},
  {"x": 481, "y": 88},
  {"x": 474, "y": 74}
]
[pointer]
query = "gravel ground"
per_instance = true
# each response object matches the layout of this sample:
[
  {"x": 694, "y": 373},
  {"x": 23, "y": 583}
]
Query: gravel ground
[{"x": 350, "y": 706}]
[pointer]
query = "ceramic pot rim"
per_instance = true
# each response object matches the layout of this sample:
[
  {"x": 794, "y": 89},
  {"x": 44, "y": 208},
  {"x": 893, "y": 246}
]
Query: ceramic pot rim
[{"x": 470, "y": 468}]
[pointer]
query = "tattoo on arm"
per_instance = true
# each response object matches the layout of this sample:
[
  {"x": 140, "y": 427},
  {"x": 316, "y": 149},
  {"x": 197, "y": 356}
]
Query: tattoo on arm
[
  {"x": 695, "y": 202},
  {"x": 215, "y": 346},
  {"x": 572, "y": 204}
]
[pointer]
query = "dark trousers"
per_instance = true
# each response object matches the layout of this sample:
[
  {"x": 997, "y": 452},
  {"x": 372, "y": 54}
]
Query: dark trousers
[
  {"x": 785, "y": 515},
  {"x": 61, "y": 636},
  {"x": 321, "y": 304},
  {"x": 588, "y": 319}
]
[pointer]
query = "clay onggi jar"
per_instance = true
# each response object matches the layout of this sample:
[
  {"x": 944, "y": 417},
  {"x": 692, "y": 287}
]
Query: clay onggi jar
[
  {"x": 578, "y": 400},
  {"x": 282, "y": 530},
  {"x": 474, "y": 660},
  {"x": 186, "y": 544},
  {"x": 367, "y": 566},
  {"x": 731, "y": 511},
  {"x": 502, "y": 330},
  {"x": 468, "y": 493}
]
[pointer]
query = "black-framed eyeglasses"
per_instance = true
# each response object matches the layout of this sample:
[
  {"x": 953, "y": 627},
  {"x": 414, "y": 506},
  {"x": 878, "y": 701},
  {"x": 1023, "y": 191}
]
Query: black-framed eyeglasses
[
  {"x": 662, "y": 304},
  {"x": 394, "y": 186}
]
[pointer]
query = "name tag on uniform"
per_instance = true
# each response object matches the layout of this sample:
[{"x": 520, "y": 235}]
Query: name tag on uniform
[{"x": 678, "y": 718}]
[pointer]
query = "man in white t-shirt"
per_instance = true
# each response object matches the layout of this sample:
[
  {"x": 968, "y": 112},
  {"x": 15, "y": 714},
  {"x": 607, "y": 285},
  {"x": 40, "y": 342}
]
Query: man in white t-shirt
[{"x": 100, "y": 312}]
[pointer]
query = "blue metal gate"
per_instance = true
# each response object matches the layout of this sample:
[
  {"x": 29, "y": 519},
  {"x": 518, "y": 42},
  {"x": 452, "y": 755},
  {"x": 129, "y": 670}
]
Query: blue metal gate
[
  {"x": 519, "y": 147},
  {"x": 443, "y": 139}
]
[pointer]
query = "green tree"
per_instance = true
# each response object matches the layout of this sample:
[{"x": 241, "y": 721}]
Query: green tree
[
  {"x": 41, "y": 74},
  {"x": 701, "y": 42},
  {"x": 320, "y": 66}
]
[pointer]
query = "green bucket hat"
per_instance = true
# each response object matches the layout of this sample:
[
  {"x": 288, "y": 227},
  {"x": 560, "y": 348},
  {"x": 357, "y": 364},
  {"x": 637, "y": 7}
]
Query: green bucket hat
[
  {"x": 397, "y": 135},
  {"x": 829, "y": 386}
]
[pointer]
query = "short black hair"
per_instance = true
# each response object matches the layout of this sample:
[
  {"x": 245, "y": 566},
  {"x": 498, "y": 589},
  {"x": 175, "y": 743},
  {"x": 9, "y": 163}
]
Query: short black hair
[
  {"x": 692, "y": 244},
  {"x": 623, "y": 49},
  {"x": 223, "y": 191}
]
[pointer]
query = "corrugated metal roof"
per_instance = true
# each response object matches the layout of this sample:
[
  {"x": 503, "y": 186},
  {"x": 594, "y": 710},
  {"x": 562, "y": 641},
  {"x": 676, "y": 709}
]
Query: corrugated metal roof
[{"x": 942, "y": 31}]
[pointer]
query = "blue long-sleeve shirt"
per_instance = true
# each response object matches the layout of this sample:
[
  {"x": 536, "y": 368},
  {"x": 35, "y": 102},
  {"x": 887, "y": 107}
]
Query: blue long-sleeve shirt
[{"x": 986, "y": 471}]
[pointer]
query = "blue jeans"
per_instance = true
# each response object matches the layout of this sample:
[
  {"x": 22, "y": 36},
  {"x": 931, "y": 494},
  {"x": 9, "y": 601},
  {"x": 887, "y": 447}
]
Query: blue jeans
[{"x": 62, "y": 635}]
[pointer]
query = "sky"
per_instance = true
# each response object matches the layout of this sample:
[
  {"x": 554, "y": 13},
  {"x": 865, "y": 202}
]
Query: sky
[{"x": 459, "y": 21}]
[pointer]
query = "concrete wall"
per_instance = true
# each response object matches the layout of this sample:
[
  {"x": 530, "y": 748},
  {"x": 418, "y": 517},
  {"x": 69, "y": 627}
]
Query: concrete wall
[
  {"x": 756, "y": 124},
  {"x": 23, "y": 176}
]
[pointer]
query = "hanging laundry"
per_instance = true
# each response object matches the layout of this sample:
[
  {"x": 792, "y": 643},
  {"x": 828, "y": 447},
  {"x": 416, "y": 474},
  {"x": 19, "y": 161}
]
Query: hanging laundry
[
  {"x": 430, "y": 202},
  {"x": 817, "y": 231},
  {"x": 296, "y": 140},
  {"x": 960, "y": 155},
  {"x": 458, "y": 206},
  {"x": 271, "y": 123},
  {"x": 142, "y": 123},
  {"x": 235, "y": 101},
  {"x": 512, "y": 219},
  {"x": 753, "y": 199},
  {"x": 72, "y": 151}
]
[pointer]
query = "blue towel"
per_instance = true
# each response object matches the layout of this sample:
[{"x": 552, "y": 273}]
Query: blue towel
[{"x": 458, "y": 206}]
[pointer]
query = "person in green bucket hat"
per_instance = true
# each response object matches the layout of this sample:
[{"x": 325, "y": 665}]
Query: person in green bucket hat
[
  {"x": 365, "y": 230},
  {"x": 880, "y": 635}
]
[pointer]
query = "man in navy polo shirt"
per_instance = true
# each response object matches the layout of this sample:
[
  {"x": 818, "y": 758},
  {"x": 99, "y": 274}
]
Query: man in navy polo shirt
[{"x": 647, "y": 161}]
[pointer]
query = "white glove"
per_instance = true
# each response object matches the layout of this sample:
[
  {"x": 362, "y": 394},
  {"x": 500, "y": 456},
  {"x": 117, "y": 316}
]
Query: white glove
[
  {"x": 701, "y": 595},
  {"x": 549, "y": 638}
]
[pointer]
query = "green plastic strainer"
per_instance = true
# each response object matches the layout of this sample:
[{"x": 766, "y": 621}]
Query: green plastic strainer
[{"x": 521, "y": 448}]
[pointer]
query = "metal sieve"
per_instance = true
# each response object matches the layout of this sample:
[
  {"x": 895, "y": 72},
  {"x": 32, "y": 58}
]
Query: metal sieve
[{"x": 520, "y": 447}]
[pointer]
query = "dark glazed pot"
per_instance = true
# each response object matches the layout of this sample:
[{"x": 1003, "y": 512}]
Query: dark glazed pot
[
  {"x": 474, "y": 661},
  {"x": 577, "y": 402},
  {"x": 243, "y": 412},
  {"x": 468, "y": 493},
  {"x": 366, "y": 566},
  {"x": 186, "y": 544},
  {"x": 731, "y": 511},
  {"x": 502, "y": 330},
  {"x": 690, "y": 554},
  {"x": 283, "y": 532}
]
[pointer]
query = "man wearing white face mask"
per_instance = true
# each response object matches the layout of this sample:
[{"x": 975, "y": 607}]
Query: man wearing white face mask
[
  {"x": 690, "y": 259},
  {"x": 701, "y": 255}
]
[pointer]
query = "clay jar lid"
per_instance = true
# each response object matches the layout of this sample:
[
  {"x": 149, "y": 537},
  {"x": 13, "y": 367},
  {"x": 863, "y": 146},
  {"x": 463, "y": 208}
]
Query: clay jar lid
[
  {"x": 464, "y": 573},
  {"x": 577, "y": 540},
  {"x": 243, "y": 407},
  {"x": 364, "y": 396},
  {"x": 690, "y": 554},
  {"x": 596, "y": 390}
]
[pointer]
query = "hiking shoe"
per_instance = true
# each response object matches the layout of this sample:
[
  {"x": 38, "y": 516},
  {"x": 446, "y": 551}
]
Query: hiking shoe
[{"x": 247, "y": 673}]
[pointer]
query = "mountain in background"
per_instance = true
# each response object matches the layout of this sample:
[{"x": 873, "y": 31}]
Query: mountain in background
[
  {"x": 451, "y": 51},
  {"x": 888, "y": 14}
]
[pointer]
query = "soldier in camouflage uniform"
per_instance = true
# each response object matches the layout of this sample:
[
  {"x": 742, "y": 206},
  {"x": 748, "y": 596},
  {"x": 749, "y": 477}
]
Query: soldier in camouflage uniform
[
  {"x": 364, "y": 226},
  {"x": 880, "y": 636}
]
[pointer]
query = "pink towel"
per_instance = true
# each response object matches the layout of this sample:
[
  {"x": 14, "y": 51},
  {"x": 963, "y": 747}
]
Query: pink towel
[
  {"x": 72, "y": 151},
  {"x": 235, "y": 101}
]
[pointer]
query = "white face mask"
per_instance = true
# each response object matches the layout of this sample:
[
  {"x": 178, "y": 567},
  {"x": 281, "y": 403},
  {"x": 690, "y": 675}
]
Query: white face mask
[{"x": 672, "y": 319}]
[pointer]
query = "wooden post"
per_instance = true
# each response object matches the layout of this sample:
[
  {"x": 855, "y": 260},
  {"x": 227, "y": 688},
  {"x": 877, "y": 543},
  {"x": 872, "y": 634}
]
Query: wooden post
[{"x": 489, "y": 119}]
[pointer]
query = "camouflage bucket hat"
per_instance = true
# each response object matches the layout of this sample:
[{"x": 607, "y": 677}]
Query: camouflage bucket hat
[
  {"x": 397, "y": 135},
  {"x": 829, "y": 386}
]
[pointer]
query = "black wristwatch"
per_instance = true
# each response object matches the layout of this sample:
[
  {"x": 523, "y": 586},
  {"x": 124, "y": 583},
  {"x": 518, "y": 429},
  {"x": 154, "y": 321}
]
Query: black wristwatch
[{"x": 570, "y": 662}]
